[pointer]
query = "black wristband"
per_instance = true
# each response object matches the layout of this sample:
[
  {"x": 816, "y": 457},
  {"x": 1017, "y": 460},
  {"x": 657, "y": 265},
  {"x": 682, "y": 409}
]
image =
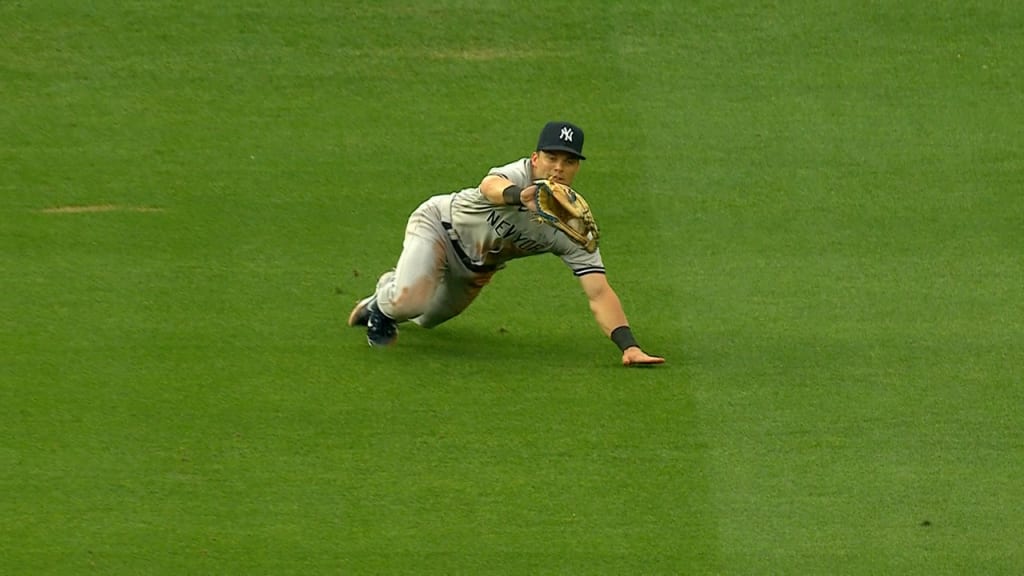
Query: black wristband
[
  {"x": 623, "y": 338},
  {"x": 512, "y": 195}
]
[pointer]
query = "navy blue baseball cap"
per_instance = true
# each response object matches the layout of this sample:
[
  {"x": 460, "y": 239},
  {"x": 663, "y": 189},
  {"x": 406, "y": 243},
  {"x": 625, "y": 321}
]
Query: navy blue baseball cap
[{"x": 563, "y": 137}]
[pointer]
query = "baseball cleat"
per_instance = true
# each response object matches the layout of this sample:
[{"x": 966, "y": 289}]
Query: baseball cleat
[
  {"x": 361, "y": 312},
  {"x": 380, "y": 330}
]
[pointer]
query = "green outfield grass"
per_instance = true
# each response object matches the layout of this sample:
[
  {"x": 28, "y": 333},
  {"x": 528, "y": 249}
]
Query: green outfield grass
[{"x": 815, "y": 211}]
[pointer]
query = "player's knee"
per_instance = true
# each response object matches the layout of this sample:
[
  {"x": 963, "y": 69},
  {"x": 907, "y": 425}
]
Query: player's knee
[
  {"x": 403, "y": 309},
  {"x": 409, "y": 302}
]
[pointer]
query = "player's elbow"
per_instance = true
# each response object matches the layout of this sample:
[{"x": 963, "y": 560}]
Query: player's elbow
[{"x": 596, "y": 286}]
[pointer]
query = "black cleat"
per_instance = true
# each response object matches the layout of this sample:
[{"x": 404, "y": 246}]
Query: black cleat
[{"x": 380, "y": 330}]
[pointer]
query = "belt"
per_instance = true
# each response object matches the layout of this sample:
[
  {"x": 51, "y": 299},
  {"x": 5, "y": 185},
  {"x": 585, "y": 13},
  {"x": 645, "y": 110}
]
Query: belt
[{"x": 466, "y": 260}]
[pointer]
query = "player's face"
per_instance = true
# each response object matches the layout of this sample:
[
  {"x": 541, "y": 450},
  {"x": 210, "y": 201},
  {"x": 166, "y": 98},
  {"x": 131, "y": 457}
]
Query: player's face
[{"x": 558, "y": 166}]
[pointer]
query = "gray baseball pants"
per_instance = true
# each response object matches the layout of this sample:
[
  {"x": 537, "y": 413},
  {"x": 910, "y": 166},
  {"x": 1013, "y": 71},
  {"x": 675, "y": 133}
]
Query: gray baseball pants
[{"x": 432, "y": 281}]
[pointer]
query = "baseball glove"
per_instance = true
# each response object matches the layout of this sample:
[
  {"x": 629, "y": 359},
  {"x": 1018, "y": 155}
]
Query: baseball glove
[{"x": 564, "y": 208}]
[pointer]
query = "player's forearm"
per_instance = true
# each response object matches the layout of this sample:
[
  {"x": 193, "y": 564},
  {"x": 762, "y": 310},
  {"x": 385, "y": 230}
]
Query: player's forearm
[
  {"x": 502, "y": 192},
  {"x": 608, "y": 311},
  {"x": 492, "y": 187}
]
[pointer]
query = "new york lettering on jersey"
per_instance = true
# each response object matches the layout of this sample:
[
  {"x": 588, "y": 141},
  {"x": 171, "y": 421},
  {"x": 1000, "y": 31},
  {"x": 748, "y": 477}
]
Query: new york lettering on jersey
[
  {"x": 513, "y": 234},
  {"x": 493, "y": 234}
]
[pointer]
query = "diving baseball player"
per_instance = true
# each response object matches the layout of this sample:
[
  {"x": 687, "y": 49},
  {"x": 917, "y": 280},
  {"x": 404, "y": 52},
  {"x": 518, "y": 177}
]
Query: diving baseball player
[{"x": 454, "y": 243}]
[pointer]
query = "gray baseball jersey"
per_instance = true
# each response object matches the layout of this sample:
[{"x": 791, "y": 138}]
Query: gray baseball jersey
[
  {"x": 491, "y": 235},
  {"x": 455, "y": 242}
]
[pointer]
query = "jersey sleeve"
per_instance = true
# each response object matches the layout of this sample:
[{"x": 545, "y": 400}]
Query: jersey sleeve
[
  {"x": 517, "y": 172},
  {"x": 576, "y": 258}
]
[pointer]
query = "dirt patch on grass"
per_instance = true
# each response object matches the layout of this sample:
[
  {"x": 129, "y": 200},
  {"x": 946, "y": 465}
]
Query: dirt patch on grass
[{"x": 92, "y": 208}]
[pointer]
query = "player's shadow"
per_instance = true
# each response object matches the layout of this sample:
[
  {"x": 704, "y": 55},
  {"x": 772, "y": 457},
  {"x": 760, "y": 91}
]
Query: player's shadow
[
  {"x": 473, "y": 344},
  {"x": 468, "y": 342}
]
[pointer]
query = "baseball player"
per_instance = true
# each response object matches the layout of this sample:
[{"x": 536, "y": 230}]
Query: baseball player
[{"x": 454, "y": 243}]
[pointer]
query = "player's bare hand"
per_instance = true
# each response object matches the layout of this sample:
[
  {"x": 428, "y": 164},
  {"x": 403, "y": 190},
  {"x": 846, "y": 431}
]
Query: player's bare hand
[
  {"x": 529, "y": 197},
  {"x": 634, "y": 356}
]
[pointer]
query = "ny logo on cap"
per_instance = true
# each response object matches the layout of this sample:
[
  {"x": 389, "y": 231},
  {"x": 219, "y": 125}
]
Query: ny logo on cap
[{"x": 566, "y": 134}]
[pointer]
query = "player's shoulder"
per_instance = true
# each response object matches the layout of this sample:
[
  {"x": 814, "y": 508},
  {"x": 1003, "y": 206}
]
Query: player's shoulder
[
  {"x": 517, "y": 171},
  {"x": 468, "y": 196}
]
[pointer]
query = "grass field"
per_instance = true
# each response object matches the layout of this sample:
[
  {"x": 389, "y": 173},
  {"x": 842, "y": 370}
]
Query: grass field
[{"x": 814, "y": 211}]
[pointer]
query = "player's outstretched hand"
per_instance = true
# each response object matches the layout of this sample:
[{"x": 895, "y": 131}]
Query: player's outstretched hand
[
  {"x": 529, "y": 197},
  {"x": 634, "y": 356}
]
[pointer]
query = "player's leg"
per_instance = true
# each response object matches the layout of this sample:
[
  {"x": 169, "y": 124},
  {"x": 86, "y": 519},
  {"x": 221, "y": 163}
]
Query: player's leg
[
  {"x": 429, "y": 285},
  {"x": 455, "y": 293},
  {"x": 408, "y": 291}
]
